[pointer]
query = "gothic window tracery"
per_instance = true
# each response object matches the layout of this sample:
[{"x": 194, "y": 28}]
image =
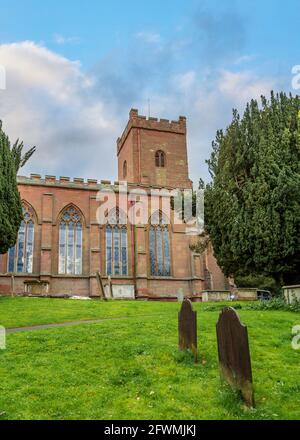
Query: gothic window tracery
[
  {"x": 20, "y": 256},
  {"x": 159, "y": 243},
  {"x": 70, "y": 242},
  {"x": 116, "y": 243}
]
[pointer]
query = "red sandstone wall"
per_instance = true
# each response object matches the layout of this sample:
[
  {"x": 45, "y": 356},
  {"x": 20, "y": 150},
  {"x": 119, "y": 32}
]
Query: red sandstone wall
[
  {"x": 138, "y": 144},
  {"x": 175, "y": 173},
  {"x": 129, "y": 153},
  {"x": 218, "y": 281},
  {"x": 49, "y": 198}
]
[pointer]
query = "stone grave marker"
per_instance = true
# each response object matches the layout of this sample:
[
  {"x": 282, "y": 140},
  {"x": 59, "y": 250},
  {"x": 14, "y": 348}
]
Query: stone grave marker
[
  {"x": 187, "y": 327},
  {"x": 234, "y": 353},
  {"x": 180, "y": 295},
  {"x": 111, "y": 294},
  {"x": 100, "y": 285},
  {"x": 123, "y": 291},
  {"x": 2, "y": 338}
]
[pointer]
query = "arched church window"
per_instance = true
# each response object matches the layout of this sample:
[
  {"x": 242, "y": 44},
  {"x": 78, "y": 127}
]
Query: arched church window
[
  {"x": 160, "y": 159},
  {"x": 70, "y": 242},
  {"x": 159, "y": 241},
  {"x": 125, "y": 169},
  {"x": 116, "y": 243},
  {"x": 20, "y": 256}
]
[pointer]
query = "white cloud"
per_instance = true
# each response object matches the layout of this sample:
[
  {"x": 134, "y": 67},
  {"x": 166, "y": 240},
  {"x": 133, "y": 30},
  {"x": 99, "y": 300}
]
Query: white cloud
[
  {"x": 149, "y": 37},
  {"x": 243, "y": 86},
  {"x": 74, "y": 118},
  {"x": 185, "y": 80},
  {"x": 245, "y": 59},
  {"x": 208, "y": 102},
  {"x": 49, "y": 102},
  {"x": 61, "y": 39}
]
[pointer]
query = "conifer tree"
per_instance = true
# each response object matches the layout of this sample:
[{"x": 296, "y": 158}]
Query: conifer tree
[
  {"x": 252, "y": 205},
  {"x": 10, "y": 203}
]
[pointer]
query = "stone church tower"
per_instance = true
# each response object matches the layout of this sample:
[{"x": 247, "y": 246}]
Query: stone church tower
[{"x": 154, "y": 152}]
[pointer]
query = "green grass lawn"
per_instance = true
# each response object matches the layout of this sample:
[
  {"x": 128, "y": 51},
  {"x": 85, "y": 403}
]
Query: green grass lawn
[{"x": 131, "y": 368}]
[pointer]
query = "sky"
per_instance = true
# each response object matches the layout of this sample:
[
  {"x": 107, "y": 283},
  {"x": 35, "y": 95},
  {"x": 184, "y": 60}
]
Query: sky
[{"x": 75, "y": 68}]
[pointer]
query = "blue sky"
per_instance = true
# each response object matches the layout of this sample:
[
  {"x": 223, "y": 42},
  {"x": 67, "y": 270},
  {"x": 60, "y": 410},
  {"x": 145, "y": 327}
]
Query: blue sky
[{"x": 74, "y": 69}]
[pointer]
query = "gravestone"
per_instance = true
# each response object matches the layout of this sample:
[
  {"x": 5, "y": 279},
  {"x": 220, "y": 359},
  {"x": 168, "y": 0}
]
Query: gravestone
[
  {"x": 2, "y": 338},
  {"x": 187, "y": 328},
  {"x": 180, "y": 295},
  {"x": 111, "y": 295},
  {"x": 100, "y": 285},
  {"x": 234, "y": 353},
  {"x": 123, "y": 291}
]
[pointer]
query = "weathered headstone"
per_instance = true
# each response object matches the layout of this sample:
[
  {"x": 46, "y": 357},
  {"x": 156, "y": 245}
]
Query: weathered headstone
[
  {"x": 123, "y": 291},
  {"x": 107, "y": 291},
  {"x": 187, "y": 327},
  {"x": 180, "y": 295},
  {"x": 2, "y": 338},
  {"x": 234, "y": 353},
  {"x": 111, "y": 294}
]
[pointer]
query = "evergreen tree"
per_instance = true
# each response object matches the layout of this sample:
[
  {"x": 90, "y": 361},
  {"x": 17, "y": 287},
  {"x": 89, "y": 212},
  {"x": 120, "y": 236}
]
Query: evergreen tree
[
  {"x": 20, "y": 159},
  {"x": 252, "y": 205},
  {"x": 10, "y": 203}
]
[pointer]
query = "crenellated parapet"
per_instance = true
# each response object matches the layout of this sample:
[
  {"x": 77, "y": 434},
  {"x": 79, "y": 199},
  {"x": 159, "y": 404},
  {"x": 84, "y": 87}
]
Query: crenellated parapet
[
  {"x": 80, "y": 183},
  {"x": 150, "y": 123},
  {"x": 65, "y": 181}
]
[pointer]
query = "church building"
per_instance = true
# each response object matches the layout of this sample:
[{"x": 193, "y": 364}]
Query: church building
[{"x": 61, "y": 244}]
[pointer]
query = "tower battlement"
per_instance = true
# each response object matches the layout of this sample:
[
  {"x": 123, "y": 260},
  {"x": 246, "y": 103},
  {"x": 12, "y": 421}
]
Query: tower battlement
[
  {"x": 154, "y": 151},
  {"x": 150, "y": 123}
]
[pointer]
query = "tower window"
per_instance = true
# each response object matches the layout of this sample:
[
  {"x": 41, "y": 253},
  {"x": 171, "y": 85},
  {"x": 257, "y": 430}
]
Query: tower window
[
  {"x": 125, "y": 169},
  {"x": 160, "y": 159}
]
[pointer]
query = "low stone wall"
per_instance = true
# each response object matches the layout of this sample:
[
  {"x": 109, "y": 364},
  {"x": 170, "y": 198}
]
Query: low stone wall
[
  {"x": 5, "y": 289},
  {"x": 241, "y": 294},
  {"x": 246, "y": 294},
  {"x": 215, "y": 295},
  {"x": 291, "y": 293},
  {"x": 32, "y": 285},
  {"x": 165, "y": 288}
]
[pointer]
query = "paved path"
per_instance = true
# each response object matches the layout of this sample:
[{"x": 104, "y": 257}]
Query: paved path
[
  {"x": 71, "y": 323},
  {"x": 61, "y": 324}
]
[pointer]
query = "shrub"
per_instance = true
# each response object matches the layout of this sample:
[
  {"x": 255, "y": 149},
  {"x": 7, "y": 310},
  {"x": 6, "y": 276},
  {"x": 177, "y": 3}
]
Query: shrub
[{"x": 274, "y": 304}]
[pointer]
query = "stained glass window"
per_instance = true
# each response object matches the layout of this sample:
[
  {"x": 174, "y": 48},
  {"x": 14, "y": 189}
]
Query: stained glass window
[
  {"x": 159, "y": 243},
  {"x": 70, "y": 243},
  {"x": 20, "y": 256},
  {"x": 116, "y": 244}
]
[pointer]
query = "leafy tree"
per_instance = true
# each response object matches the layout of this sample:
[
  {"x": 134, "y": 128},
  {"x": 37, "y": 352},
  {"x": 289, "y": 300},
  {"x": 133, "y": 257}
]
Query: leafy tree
[
  {"x": 252, "y": 205},
  {"x": 10, "y": 204}
]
